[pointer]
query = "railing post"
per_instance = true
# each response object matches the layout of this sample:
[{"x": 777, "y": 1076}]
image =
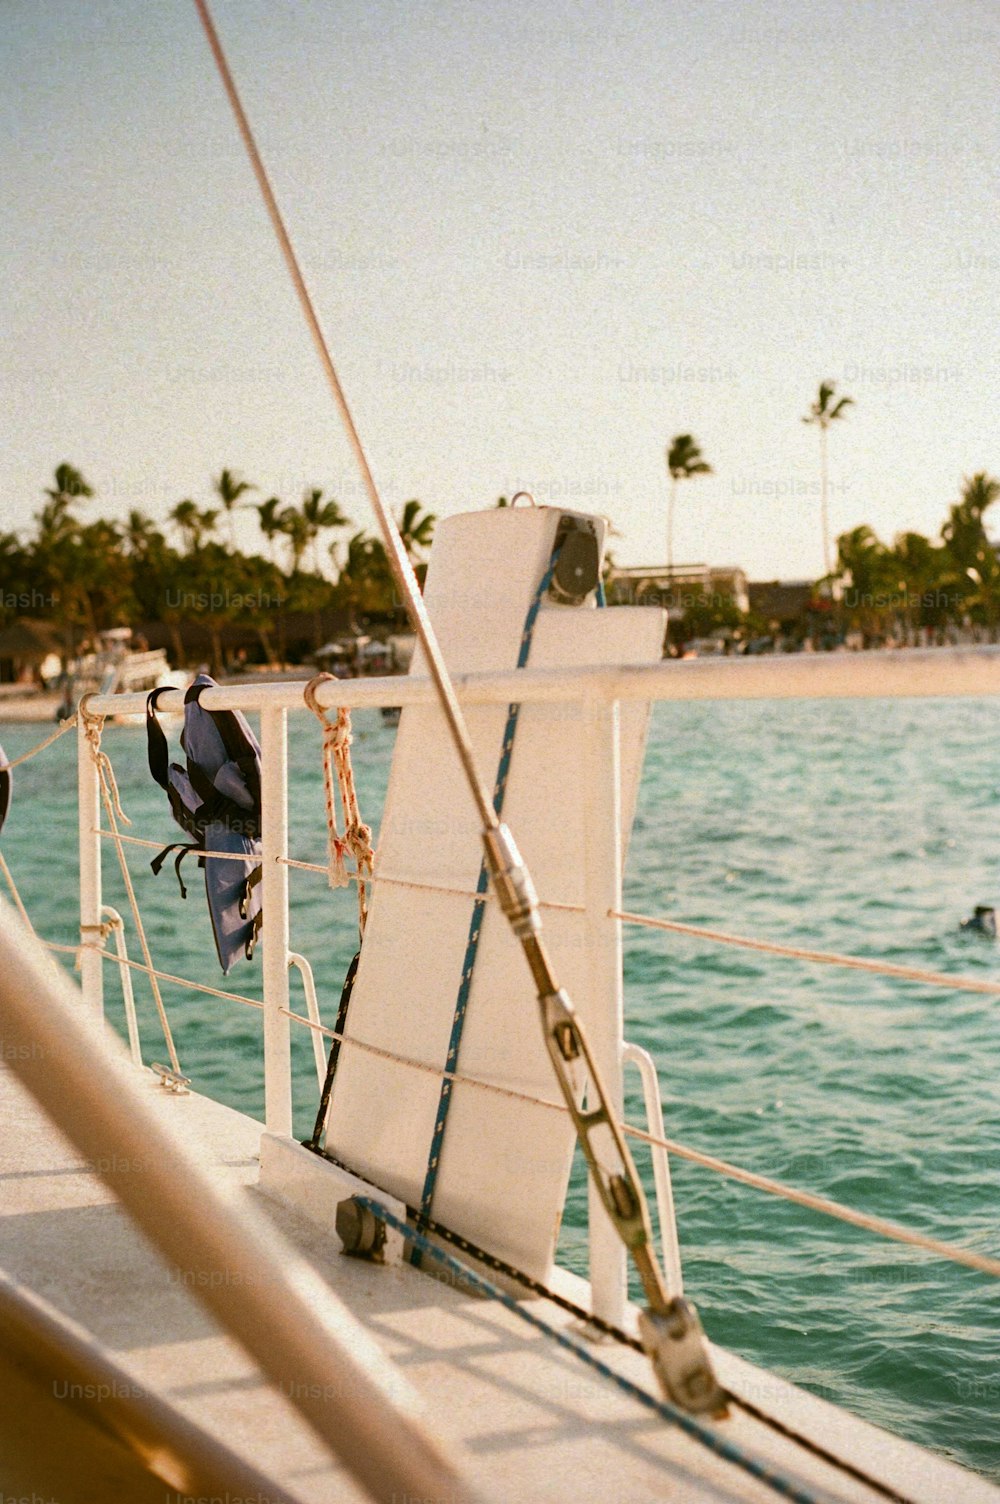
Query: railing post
[
  {"x": 274, "y": 938},
  {"x": 603, "y": 1007},
  {"x": 89, "y": 820}
]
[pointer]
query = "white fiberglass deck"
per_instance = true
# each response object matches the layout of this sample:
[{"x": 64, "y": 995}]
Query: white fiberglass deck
[{"x": 527, "y": 1421}]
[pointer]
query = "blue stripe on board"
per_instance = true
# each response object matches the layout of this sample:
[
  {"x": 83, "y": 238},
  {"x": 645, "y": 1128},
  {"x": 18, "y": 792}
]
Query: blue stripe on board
[{"x": 476, "y": 923}]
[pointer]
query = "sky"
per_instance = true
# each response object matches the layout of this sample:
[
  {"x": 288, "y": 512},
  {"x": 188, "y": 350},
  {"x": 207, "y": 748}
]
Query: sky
[{"x": 543, "y": 238}]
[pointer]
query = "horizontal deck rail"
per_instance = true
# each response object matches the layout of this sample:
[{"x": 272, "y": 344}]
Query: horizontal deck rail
[{"x": 918, "y": 673}]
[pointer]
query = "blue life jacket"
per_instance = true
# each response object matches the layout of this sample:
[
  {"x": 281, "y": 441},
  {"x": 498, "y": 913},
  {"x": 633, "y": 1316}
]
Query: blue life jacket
[
  {"x": 216, "y": 799},
  {"x": 6, "y": 779}
]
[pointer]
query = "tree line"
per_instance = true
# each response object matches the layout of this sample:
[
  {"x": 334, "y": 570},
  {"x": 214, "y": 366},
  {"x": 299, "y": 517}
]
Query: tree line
[
  {"x": 89, "y": 575},
  {"x": 880, "y": 590}
]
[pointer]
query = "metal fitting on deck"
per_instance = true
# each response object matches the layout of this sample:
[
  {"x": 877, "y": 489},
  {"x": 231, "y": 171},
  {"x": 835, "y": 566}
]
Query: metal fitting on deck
[
  {"x": 512, "y": 881},
  {"x": 360, "y": 1231},
  {"x": 675, "y": 1342}
]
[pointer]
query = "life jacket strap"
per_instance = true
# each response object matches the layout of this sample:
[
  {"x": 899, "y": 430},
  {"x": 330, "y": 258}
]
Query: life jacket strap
[
  {"x": 255, "y": 928},
  {"x": 156, "y": 742},
  {"x": 183, "y": 849},
  {"x": 251, "y": 882}
]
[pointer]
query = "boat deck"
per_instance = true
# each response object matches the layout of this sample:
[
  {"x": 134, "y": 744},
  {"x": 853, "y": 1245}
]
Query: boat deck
[{"x": 528, "y": 1420}]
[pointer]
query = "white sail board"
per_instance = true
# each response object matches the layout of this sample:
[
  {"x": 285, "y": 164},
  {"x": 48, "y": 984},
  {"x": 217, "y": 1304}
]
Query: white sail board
[{"x": 504, "y": 1163}]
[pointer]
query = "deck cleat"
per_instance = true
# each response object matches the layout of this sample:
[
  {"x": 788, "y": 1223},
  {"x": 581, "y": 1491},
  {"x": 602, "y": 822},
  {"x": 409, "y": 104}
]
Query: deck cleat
[{"x": 171, "y": 1080}]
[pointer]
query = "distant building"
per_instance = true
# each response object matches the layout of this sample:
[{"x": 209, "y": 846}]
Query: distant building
[
  {"x": 782, "y": 600},
  {"x": 26, "y": 646},
  {"x": 679, "y": 587}
]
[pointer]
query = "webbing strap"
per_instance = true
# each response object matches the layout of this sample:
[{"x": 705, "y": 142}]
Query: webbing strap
[
  {"x": 478, "y": 908},
  {"x": 156, "y": 743}
]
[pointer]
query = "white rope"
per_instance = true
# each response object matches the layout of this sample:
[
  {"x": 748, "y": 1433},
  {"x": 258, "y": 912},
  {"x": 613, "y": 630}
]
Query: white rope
[
  {"x": 15, "y": 895},
  {"x": 64, "y": 726},
  {"x": 823, "y": 958},
  {"x": 942, "y": 979},
  {"x": 891, "y": 1230},
  {"x": 166, "y": 976},
  {"x": 983, "y": 1263},
  {"x": 219, "y": 856}
]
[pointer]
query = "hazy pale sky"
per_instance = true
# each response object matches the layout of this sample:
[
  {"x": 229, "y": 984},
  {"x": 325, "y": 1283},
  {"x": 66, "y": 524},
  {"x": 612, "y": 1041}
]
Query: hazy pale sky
[{"x": 542, "y": 237}]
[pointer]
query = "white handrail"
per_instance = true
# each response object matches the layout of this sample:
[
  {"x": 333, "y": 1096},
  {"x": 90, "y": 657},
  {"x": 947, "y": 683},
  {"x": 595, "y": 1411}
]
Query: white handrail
[
  {"x": 903, "y": 673},
  {"x": 312, "y": 1009},
  {"x": 634, "y": 1054}
]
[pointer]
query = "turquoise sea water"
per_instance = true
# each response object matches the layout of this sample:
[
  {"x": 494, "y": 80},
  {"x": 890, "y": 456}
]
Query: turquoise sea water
[{"x": 864, "y": 827}]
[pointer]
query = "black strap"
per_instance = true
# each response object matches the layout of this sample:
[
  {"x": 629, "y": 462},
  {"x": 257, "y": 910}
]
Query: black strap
[
  {"x": 183, "y": 849},
  {"x": 331, "y": 1067},
  {"x": 5, "y": 783},
  {"x": 256, "y": 926},
  {"x": 156, "y": 741}
]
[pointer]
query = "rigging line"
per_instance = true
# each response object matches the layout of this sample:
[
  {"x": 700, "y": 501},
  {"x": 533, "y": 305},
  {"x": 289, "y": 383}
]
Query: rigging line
[
  {"x": 982, "y": 1263},
  {"x": 8, "y": 877},
  {"x": 164, "y": 976},
  {"x": 825, "y": 958},
  {"x": 398, "y": 560},
  {"x": 943, "y": 979},
  {"x": 608, "y": 1328},
  {"x": 707, "y": 1436},
  {"x": 63, "y": 727},
  {"x": 564, "y": 1035},
  {"x": 218, "y": 856}
]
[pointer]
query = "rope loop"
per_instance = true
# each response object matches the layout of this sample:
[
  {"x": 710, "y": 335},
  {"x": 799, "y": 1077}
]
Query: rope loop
[
  {"x": 93, "y": 727},
  {"x": 356, "y": 839}
]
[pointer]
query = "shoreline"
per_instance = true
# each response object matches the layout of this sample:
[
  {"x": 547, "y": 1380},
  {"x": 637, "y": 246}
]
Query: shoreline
[{"x": 23, "y": 709}]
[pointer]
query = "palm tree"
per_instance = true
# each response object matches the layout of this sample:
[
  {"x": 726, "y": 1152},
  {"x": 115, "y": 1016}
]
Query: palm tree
[
  {"x": 193, "y": 524},
  {"x": 416, "y": 528},
  {"x": 141, "y": 534},
  {"x": 229, "y": 488},
  {"x": 822, "y": 413},
  {"x": 55, "y": 520},
  {"x": 293, "y": 525},
  {"x": 684, "y": 459},
  {"x": 918, "y": 567},
  {"x": 366, "y": 581},
  {"x": 864, "y": 562},
  {"x": 319, "y": 516},
  {"x": 269, "y": 521},
  {"x": 968, "y": 547},
  {"x": 69, "y": 485}
]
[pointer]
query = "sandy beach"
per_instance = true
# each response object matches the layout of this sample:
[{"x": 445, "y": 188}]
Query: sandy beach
[{"x": 28, "y": 707}]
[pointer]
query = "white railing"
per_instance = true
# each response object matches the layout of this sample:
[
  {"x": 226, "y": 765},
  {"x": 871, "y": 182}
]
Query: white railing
[{"x": 973, "y": 671}]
